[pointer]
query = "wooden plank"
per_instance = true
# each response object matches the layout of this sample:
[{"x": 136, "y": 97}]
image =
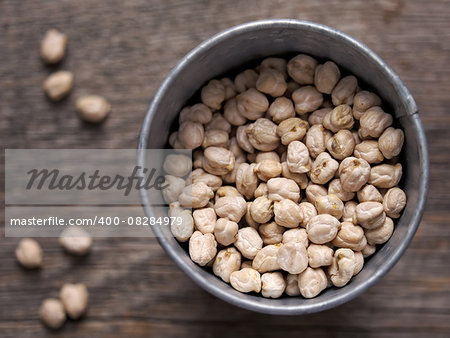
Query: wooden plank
[{"x": 123, "y": 50}]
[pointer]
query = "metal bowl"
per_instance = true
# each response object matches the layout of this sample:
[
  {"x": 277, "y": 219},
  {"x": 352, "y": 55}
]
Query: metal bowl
[{"x": 256, "y": 40}]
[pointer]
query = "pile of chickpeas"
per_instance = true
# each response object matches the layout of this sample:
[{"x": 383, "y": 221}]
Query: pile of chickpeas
[{"x": 293, "y": 178}]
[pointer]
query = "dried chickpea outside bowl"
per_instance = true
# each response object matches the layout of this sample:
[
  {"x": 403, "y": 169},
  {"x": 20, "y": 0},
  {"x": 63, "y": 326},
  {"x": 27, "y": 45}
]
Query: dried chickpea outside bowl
[{"x": 238, "y": 46}]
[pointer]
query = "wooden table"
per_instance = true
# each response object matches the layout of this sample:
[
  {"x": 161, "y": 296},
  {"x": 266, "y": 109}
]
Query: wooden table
[{"x": 123, "y": 50}]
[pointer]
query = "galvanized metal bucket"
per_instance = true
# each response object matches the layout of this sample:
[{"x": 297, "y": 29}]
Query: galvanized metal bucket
[{"x": 255, "y": 40}]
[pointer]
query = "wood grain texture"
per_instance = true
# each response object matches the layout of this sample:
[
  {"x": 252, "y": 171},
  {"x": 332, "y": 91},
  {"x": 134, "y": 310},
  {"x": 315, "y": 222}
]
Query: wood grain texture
[{"x": 123, "y": 50}]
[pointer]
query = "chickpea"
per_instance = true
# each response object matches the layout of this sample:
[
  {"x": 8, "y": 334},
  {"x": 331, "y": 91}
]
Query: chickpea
[
  {"x": 281, "y": 109},
  {"x": 292, "y": 86},
  {"x": 296, "y": 235},
  {"x": 339, "y": 118},
  {"x": 292, "y": 129},
  {"x": 273, "y": 284},
  {"x": 242, "y": 139},
  {"x": 311, "y": 282},
  {"x": 308, "y": 211},
  {"x": 385, "y": 175},
  {"x": 330, "y": 204},
  {"x": 369, "y": 215},
  {"x": 292, "y": 285},
  {"x": 344, "y": 91},
  {"x": 342, "y": 268},
  {"x": 181, "y": 230},
  {"x": 278, "y": 64},
  {"x": 341, "y": 144},
  {"x": 281, "y": 188},
  {"x": 213, "y": 94},
  {"x": 177, "y": 165},
  {"x": 52, "y": 313},
  {"x": 202, "y": 248},
  {"x": 231, "y": 113},
  {"x": 238, "y": 152},
  {"x": 196, "y": 195},
  {"x": 205, "y": 220},
  {"x": 262, "y": 135},
  {"x": 29, "y": 253},
  {"x": 326, "y": 77},
  {"x": 394, "y": 201},
  {"x": 94, "y": 108},
  {"x": 322, "y": 228},
  {"x": 230, "y": 178},
  {"x": 287, "y": 213},
  {"x": 75, "y": 298},
  {"x": 215, "y": 138},
  {"x": 58, "y": 84},
  {"x": 353, "y": 173},
  {"x": 76, "y": 241},
  {"x": 368, "y": 250},
  {"x": 261, "y": 209},
  {"x": 300, "y": 179},
  {"x": 323, "y": 168},
  {"x": 319, "y": 255},
  {"x": 292, "y": 257},
  {"x": 364, "y": 100},
  {"x": 249, "y": 221},
  {"x": 356, "y": 137},
  {"x": 266, "y": 259},
  {"x": 261, "y": 190},
  {"x": 335, "y": 187},
  {"x": 350, "y": 236},
  {"x": 245, "y": 80},
  {"x": 271, "y": 233},
  {"x": 231, "y": 207},
  {"x": 252, "y": 104},
  {"x": 313, "y": 191},
  {"x": 369, "y": 193},
  {"x": 218, "y": 122},
  {"x": 248, "y": 242},
  {"x": 381, "y": 234},
  {"x": 246, "y": 179},
  {"x": 297, "y": 159},
  {"x": 53, "y": 46},
  {"x": 271, "y": 82},
  {"x": 199, "y": 113},
  {"x": 190, "y": 134},
  {"x": 267, "y": 156},
  {"x": 373, "y": 122},
  {"x": 349, "y": 211},
  {"x": 306, "y": 99},
  {"x": 267, "y": 169},
  {"x": 230, "y": 90},
  {"x": 316, "y": 139},
  {"x": 246, "y": 280},
  {"x": 218, "y": 160},
  {"x": 359, "y": 262},
  {"x": 212, "y": 181},
  {"x": 302, "y": 68},
  {"x": 368, "y": 150},
  {"x": 174, "y": 142},
  {"x": 227, "y": 190},
  {"x": 391, "y": 142},
  {"x": 317, "y": 116},
  {"x": 226, "y": 262},
  {"x": 225, "y": 231}
]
